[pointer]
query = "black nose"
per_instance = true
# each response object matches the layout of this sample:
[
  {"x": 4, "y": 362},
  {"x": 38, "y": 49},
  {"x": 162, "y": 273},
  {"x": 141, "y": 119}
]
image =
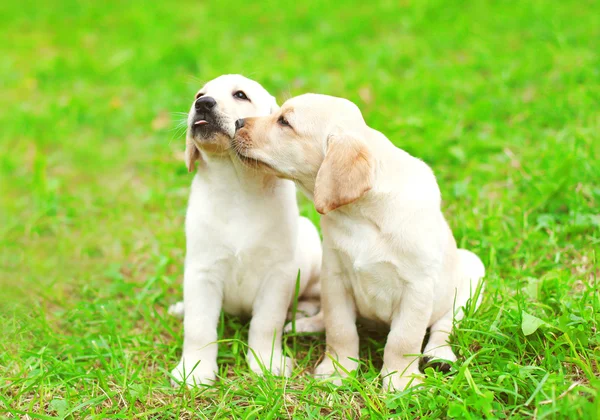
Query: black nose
[
  {"x": 205, "y": 104},
  {"x": 239, "y": 124}
]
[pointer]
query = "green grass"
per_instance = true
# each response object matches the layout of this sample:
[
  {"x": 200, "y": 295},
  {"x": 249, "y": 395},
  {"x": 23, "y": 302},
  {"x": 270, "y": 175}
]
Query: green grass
[{"x": 501, "y": 98}]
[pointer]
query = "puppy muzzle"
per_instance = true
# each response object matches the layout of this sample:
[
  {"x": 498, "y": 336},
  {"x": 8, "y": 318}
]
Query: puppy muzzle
[{"x": 239, "y": 124}]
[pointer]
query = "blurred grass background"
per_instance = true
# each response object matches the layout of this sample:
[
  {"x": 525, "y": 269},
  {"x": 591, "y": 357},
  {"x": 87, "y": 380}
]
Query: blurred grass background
[{"x": 501, "y": 98}]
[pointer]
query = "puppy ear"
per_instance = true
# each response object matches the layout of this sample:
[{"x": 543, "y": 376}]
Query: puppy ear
[
  {"x": 274, "y": 106},
  {"x": 345, "y": 175},
  {"x": 192, "y": 154}
]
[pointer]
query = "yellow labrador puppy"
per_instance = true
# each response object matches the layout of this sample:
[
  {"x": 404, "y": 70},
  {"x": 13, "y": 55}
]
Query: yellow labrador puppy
[
  {"x": 245, "y": 238},
  {"x": 388, "y": 254}
]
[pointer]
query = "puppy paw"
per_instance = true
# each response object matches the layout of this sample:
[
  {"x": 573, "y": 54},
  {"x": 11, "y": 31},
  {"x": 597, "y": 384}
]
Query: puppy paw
[
  {"x": 277, "y": 365},
  {"x": 193, "y": 373},
  {"x": 311, "y": 324},
  {"x": 325, "y": 369},
  {"x": 395, "y": 382},
  {"x": 439, "y": 358},
  {"x": 330, "y": 369},
  {"x": 177, "y": 310},
  {"x": 306, "y": 308}
]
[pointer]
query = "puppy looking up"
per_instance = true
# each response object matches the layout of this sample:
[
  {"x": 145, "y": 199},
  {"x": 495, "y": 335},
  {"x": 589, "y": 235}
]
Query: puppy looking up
[
  {"x": 388, "y": 253},
  {"x": 245, "y": 239}
]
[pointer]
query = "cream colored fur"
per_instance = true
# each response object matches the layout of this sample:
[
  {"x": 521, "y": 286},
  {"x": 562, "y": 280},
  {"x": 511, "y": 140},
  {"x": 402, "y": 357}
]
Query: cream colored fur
[
  {"x": 245, "y": 240},
  {"x": 389, "y": 254}
]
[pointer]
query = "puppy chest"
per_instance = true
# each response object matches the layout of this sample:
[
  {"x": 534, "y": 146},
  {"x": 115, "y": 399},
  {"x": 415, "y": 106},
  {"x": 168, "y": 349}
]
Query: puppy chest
[
  {"x": 370, "y": 266},
  {"x": 248, "y": 271},
  {"x": 242, "y": 282},
  {"x": 377, "y": 289},
  {"x": 239, "y": 293}
]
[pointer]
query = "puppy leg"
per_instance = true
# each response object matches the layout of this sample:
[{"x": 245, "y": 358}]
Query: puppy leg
[
  {"x": 202, "y": 300},
  {"x": 339, "y": 313},
  {"x": 313, "y": 291},
  {"x": 308, "y": 307},
  {"x": 437, "y": 350},
  {"x": 266, "y": 326},
  {"x": 470, "y": 271},
  {"x": 403, "y": 346},
  {"x": 311, "y": 324},
  {"x": 309, "y": 302},
  {"x": 308, "y": 258},
  {"x": 305, "y": 308}
]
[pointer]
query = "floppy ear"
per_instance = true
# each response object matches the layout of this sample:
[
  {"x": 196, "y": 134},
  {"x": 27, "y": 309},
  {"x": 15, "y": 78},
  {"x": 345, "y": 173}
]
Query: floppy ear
[
  {"x": 192, "y": 154},
  {"x": 345, "y": 175},
  {"x": 274, "y": 106}
]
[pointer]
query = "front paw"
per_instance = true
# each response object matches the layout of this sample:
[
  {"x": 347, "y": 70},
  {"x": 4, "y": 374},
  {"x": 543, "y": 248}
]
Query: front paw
[
  {"x": 394, "y": 382},
  {"x": 326, "y": 368},
  {"x": 329, "y": 368},
  {"x": 277, "y": 364},
  {"x": 194, "y": 373}
]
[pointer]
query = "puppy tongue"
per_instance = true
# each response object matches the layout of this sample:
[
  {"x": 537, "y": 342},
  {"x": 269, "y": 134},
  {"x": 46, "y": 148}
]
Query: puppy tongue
[{"x": 201, "y": 122}]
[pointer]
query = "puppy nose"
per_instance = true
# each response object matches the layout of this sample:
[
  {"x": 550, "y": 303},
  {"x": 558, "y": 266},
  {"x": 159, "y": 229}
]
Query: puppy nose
[
  {"x": 205, "y": 104},
  {"x": 239, "y": 124}
]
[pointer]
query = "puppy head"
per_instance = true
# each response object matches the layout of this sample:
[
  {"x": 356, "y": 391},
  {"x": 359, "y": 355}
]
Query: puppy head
[
  {"x": 317, "y": 141},
  {"x": 216, "y": 108}
]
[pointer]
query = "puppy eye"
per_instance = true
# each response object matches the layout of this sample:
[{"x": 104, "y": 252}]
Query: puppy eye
[
  {"x": 282, "y": 121},
  {"x": 240, "y": 95},
  {"x": 198, "y": 95}
]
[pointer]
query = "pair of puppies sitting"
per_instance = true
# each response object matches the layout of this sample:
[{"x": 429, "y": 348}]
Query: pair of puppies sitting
[{"x": 388, "y": 253}]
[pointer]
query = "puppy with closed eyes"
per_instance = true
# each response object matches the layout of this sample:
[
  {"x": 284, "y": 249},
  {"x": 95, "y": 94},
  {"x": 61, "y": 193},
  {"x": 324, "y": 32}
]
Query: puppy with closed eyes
[
  {"x": 388, "y": 253},
  {"x": 244, "y": 236}
]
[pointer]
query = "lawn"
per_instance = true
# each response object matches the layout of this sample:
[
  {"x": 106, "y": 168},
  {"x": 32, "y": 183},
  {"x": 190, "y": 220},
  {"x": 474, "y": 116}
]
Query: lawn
[{"x": 501, "y": 98}]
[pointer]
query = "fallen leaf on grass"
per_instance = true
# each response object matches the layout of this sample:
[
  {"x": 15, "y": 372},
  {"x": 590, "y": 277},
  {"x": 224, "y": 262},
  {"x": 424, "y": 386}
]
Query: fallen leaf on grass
[{"x": 530, "y": 323}]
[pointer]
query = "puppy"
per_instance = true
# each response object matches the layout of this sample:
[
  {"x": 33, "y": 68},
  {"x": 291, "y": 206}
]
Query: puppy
[
  {"x": 388, "y": 253},
  {"x": 245, "y": 239}
]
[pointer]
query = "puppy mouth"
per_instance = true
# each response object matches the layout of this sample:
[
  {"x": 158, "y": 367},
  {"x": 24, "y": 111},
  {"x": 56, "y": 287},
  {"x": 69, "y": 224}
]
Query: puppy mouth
[
  {"x": 249, "y": 161},
  {"x": 205, "y": 126},
  {"x": 202, "y": 121},
  {"x": 254, "y": 163}
]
